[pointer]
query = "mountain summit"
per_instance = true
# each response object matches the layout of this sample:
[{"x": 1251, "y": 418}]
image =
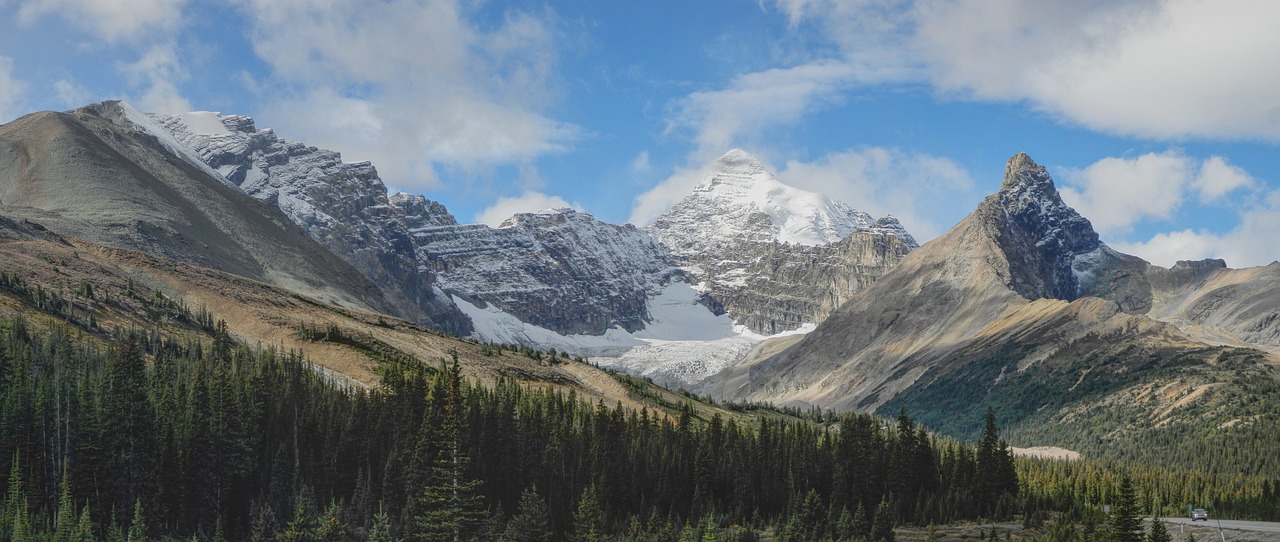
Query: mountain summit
[
  {"x": 740, "y": 200},
  {"x": 773, "y": 256}
]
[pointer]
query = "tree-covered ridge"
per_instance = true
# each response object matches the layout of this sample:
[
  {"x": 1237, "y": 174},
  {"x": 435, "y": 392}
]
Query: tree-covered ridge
[
  {"x": 216, "y": 439},
  {"x": 1212, "y": 409}
]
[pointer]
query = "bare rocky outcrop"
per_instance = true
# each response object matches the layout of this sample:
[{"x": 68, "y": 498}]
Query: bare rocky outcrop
[
  {"x": 558, "y": 269},
  {"x": 342, "y": 205}
]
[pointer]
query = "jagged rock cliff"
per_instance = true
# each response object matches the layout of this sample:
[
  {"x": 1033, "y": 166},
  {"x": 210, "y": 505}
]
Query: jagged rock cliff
[
  {"x": 1023, "y": 281},
  {"x": 342, "y": 205},
  {"x": 772, "y": 256},
  {"x": 560, "y": 269},
  {"x": 100, "y": 174}
]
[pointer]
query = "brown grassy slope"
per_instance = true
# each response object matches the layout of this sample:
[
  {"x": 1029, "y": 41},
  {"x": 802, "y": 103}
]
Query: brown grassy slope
[{"x": 125, "y": 283}]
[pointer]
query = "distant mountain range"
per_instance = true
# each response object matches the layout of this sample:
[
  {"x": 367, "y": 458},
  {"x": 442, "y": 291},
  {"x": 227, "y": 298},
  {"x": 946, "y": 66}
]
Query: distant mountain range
[{"x": 746, "y": 289}]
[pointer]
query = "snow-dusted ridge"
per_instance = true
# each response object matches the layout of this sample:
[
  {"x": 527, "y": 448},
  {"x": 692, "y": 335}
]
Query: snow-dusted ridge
[{"x": 559, "y": 277}]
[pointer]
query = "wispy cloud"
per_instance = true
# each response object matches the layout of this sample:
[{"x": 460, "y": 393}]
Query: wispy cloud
[
  {"x": 412, "y": 84},
  {"x": 528, "y": 202},
  {"x": 11, "y": 90},
  {"x": 1163, "y": 69},
  {"x": 1244, "y": 245},
  {"x": 110, "y": 20},
  {"x": 1118, "y": 193}
]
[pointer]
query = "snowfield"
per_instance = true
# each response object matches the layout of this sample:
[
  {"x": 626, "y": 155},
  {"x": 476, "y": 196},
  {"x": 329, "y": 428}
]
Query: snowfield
[{"x": 683, "y": 344}]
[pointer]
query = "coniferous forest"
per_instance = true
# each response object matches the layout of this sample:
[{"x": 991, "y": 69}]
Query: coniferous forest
[{"x": 151, "y": 437}]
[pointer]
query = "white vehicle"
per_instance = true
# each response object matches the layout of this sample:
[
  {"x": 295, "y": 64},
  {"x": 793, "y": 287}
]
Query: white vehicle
[{"x": 1199, "y": 514}]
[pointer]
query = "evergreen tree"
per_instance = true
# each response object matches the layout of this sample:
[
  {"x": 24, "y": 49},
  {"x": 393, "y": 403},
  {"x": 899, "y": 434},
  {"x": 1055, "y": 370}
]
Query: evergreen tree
[
  {"x": 137, "y": 526},
  {"x": 995, "y": 471},
  {"x": 1126, "y": 520},
  {"x": 449, "y": 505},
  {"x": 381, "y": 529},
  {"x": 531, "y": 522},
  {"x": 588, "y": 519},
  {"x": 15, "y": 508},
  {"x": 85, "y": 528},
  {"x": 1159, "y": 533},
  {"x": 65, "y": 520},
  {"x": 882, "y": 524}
]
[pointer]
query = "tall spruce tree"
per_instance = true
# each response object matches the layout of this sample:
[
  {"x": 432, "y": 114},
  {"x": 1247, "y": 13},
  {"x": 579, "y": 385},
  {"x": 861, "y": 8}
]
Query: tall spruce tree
[
  {"x": 1126, "y": 519},
  {"x": 995, "y": 471},
  {"x": 449, "y": 506}
]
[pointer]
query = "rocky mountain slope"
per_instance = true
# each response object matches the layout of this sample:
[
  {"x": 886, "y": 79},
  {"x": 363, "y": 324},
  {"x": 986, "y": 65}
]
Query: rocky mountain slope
[
  {"x": 559, "y": 269},
  {"x": 772, "y": 256},
  {"x": 93, "y": 174},
  {"x": 342, "y": 205},
  {"x": 97, "y": 290},
  {"x": 1021, "y": 308}
]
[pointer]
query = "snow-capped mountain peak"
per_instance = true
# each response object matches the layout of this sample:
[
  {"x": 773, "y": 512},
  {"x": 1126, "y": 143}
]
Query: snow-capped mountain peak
[{"x": 739, "y": 189}]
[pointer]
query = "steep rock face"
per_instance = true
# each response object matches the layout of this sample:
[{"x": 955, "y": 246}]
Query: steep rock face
[
  {"x": 93, "y": 173},
  {"x": 342, "y": 205},
  {"x": 772, "y": 256},
  {"x": 1020, "y": 247},
  {"x": 1053, "y": 252},
  {"x": 558, "y": 269}
]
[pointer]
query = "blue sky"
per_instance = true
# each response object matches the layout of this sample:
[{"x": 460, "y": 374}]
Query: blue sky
[{"x": 1159, "y": 119}]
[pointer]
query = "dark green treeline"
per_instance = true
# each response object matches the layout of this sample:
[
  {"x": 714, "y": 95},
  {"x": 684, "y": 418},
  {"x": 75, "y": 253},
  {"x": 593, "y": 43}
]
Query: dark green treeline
[{"x": 149, "y": 437}]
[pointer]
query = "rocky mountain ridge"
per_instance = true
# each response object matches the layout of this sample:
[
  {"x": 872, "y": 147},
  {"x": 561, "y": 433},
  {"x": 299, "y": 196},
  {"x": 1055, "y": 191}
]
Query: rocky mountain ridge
[
  {"x": 771, "y": 255},
  {"x": 342, "y": 205},
  {"x": 780, "y": 257},
  {"x": 1021, "y": 308},
  {"x": 93, "y": 175}
]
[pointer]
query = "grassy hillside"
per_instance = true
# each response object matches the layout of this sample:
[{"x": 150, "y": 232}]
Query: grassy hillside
[{"x": 1210, "y": 408}]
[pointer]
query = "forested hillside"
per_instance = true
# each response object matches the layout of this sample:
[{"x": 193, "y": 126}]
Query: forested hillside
[{"x": 150, "y": 435}]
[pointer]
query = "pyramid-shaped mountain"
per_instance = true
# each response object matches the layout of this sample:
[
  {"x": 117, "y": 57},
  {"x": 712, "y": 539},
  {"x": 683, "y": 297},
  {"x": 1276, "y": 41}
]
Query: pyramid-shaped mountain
[{"x": 1020, "y": 307}]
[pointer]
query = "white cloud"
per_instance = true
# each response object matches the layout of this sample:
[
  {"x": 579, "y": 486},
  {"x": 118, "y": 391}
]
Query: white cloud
[
  {"x": 411, "y": 84},
  {"x": 528, "y": 202},
  {"x": 159, "y": 71},
  {"x": 1252, "y": 242},
  {"x": 924, "y": 192},
  {"x": 649, "y": 205},
  {"x": 70, "y": 94},
  {"x": 110, "y": 20},
  {"x": 919, "y": 189},
  {"x": 1116, "y": 193},
  {"x": 1153, "y": 68},
  {"x": 743, "y": 113},
  {"x": 641, "y": 163},
  {"x": 11, "y": 90},
  {"x": 1217, "y": 178}
]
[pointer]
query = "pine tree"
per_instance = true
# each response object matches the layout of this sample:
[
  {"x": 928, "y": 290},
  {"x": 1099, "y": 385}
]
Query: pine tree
[
  {"x": 449, "y": 505},
  {"x": 882, "y": 523},
  {"x": 588, "y": 519},
  {"x": 1159, "y": 533},
  {"x": 996, "y": 475},
  {"x": 65, "y": 521},
  {"x": 532, "y": 520},
  {"x": 138, "y": 526},
  {"x": 1126, "y": 520},
  {"x": 381, "y": 529},
  {"x": 15, "y": 502},
  {"x": 85, "y": 528}
]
